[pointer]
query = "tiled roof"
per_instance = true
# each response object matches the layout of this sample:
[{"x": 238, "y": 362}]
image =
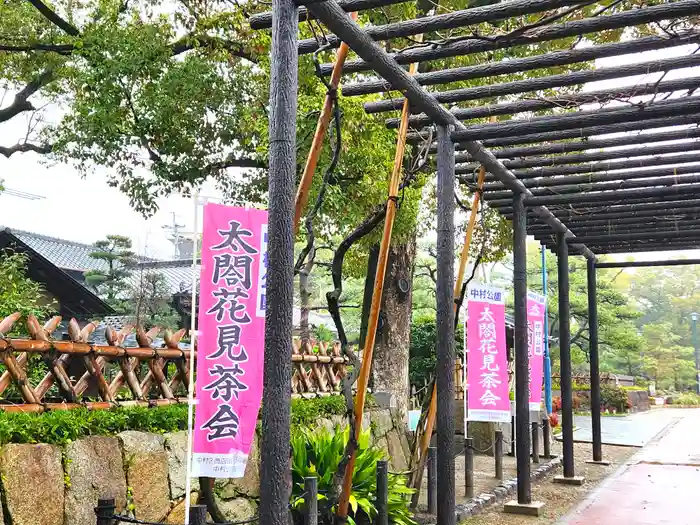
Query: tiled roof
[
  {"x": 67, "y": 255},
  {"x": 177, "y": 273}
]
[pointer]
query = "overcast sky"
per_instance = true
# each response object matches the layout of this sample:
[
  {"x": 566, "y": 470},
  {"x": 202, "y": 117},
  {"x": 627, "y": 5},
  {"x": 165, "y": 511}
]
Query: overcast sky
[{"x": 86, "y": 210}]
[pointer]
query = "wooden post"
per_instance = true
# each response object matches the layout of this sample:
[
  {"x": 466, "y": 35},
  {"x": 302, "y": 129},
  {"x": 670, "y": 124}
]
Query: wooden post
[
  {"x": 382, "y": 493},
  {"x": 498, "y": 454},
  {"x": 469, "y": 467},
  {"x": 324, "y": 119},
  {"x": 105, "y": 510},
  {"x": 535, "y": 442},
  {"x": 311, "y": 499},
  {"x": 427, "y": 433},
  {"x": 432, "y": 481},
  {"x": 594, "y": 359},
  {"x": 198, "y": 515},
  {"x": 373, "y": 320}
]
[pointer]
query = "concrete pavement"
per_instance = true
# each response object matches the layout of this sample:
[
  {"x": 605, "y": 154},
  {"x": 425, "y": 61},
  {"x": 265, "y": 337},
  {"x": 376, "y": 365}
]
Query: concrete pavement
[{"x": 659, "y": 486}]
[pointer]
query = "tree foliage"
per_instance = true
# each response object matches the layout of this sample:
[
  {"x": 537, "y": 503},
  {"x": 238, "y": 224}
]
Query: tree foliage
[
  {"x": 18, "y": 293},
  {"x": 111, "y": 282},
  {"x": 150, "y": 300}
]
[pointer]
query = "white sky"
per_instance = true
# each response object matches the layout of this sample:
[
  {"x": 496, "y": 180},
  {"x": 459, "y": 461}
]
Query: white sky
[{"x": 87, "y": 210}]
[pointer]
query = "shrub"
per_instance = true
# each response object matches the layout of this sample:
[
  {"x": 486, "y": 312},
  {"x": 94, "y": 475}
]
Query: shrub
[
  {"x": 613, "y": 397},
  {"x": 319, "y": 454},
  {"x": 687, "y": 398},
  {"x": 556, "y": 404},
  {"x": 553, "y": 420},
  {"x": 422, "y": 349}
]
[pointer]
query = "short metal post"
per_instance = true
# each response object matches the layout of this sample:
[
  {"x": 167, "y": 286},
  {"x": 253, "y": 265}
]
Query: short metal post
[
  {"x": 382, "y": 493},
  {"x": 105, "y": 510},
  {"x": 512, "y": 437},
  {"x": 469, "y": 468},
  {"x": 432, "y": 481},
  {"x": 535, "y": 442},
  {"x": 198, "y": 515},
  {"x": 498, "y": 454},
  {"x": 311, "y": 500},
  {"x": 545, "y": 437}
]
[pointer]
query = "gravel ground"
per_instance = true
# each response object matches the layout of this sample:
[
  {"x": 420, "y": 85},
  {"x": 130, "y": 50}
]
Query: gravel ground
[{"x": 559, "y": 499}]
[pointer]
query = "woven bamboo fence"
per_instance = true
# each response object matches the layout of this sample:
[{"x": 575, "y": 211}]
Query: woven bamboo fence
[{"x": 147, "y": 374}]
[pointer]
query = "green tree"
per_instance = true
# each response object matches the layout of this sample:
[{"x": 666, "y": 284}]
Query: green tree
[
  {"x": 150, "y": 301},
  {"x": 112, "y": 282},
  {"x": 18, "y": 293}
]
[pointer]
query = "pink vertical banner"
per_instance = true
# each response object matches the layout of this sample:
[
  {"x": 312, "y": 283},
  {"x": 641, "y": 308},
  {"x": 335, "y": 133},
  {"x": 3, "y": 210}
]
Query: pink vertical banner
[
  {"x": 487, "y": 369},
  {"x": 231, "y": 339},
  {"x": 535, "y": 346}
]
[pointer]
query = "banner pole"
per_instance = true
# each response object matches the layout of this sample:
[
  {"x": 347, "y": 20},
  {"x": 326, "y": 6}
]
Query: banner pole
[
  {"x": 547, "y": 359},
  {"x": 193, "y": 336}
]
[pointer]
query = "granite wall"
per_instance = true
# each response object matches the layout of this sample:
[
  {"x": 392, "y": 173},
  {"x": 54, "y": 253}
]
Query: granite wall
[{"x": 145, "y": 473}]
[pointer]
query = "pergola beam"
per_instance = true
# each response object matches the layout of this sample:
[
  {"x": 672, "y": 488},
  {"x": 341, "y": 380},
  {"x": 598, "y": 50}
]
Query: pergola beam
[
  {"x": 637, "y": 248},
  {"x": 645, "y": 264},
  {"x": 604, "y": 171},
  {"x": 533, "y": 85},
  {"x": 597, "y": 117},
  {"x": 582, "y": 158},
  {"x": 576, "y": 133},
  {"x": 651, "y": 181},
  {"x": 680, "y": 190},
  {"x": 337, "y": 21},
  {"x": 616, "y": 238},
  {"x": 588, "y": 209},
  {"x": 441, "y": 22},
  {"x": 548, "y": 33},
  {"x": 264, "y": 20},
  {"x": 518, "y": 65}
]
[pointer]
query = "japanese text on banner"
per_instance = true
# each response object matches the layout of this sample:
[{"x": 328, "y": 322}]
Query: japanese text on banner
[
  {"x": 487, "y": 371},
  {"x": 536, "y": 310},
  {"x": 231, "y": 339}
]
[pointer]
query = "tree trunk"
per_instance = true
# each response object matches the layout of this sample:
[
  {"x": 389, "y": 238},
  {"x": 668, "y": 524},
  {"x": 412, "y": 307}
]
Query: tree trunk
[
  {"x": 304, "y": 296},
  {"x": 391, "y": 353}
]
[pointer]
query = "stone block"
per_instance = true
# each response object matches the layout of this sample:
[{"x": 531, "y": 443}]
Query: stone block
[
  {"x": 603, "y": 462},
  {"x": 239, "y": 509},
  {"x": 397, "y": 459},
  {"x": 382, "y": 422},
  {"x": 177, "y": 514},
  {"x": 146, "y": 464},
  {"x": 249, "y": 484},
  {"x": 176, "y": 448},
  {"x": 32, "y": 480},
  {"x": 94, "y": 469},
  {"x": 536, "y": 508},
  {"x": 573, "y": 480}
]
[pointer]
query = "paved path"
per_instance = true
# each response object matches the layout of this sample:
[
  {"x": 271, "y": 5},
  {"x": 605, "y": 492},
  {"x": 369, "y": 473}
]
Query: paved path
[
  {"x": 635, "y": 430},
  {"x": 659, "y": 486}
]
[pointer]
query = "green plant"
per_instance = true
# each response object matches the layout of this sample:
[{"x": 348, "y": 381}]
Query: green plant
[
  {"x": 613, "y": 397},
  {"x": 306, "y": 411},
  {"x": 687, "y": 398},
  {"x": 319, "y": 454}
]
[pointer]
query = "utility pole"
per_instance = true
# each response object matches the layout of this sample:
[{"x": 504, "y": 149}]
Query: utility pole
[{"x": 175, "y": 230}]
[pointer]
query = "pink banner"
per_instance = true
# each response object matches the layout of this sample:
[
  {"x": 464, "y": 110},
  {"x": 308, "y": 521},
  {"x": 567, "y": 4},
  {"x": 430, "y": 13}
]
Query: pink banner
[
  {"x": 535, "y": 346},
  {"x": 487, "y": 369},
  {"x": 231, "y": 339}
]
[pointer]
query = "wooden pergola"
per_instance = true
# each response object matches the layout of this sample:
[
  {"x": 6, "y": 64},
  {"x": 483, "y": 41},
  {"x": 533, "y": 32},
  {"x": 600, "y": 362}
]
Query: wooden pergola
[{"x": 638, "y": 191}]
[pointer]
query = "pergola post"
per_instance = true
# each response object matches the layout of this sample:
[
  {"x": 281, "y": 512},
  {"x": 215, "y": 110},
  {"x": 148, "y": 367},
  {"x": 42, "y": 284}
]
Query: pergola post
[
  {"x": 594, "y": 361},
  {"x": 275, "y": 484},
  {"x": 445, "y": 327},
  {"x": 524, "y": 503},
  {"x": 567, "y": 418}
]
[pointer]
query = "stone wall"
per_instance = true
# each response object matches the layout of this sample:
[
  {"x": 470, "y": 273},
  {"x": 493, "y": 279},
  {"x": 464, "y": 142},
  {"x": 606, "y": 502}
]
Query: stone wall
[{"x": 145, "y": 473}]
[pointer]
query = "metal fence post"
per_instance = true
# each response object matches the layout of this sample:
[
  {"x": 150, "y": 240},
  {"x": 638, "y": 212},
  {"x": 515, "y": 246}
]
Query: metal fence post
[
  {"x": 535, "y": 442},
  {"x": 311, "y": 500},
  {"x": 498, "y": 454},
  {"x": 382, "y": 493},
  {"x": 198, "y": 515},
  {"x": 432, "y": 481},
  {"x": 545, "y": 437},
  {"x": 512, "y": 437},
  {"x": 469, "y": 467},
  {"x": 105, "y": 510}
]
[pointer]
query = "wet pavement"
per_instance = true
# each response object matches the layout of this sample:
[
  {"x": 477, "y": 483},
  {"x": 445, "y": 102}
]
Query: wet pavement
[
  {"x": 659, "y": 485},
  {"x": 635, "y": 430}
]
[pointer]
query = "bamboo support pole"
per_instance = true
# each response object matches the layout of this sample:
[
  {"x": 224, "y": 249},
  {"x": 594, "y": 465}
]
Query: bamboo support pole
[
  {"x": 324, "y": 119},
  {"x": 417, "y": 475},
  {"x": 19, "y": 376},
  {"x": 373, "y": 321},
  {"x": 69, "y": 347}
]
